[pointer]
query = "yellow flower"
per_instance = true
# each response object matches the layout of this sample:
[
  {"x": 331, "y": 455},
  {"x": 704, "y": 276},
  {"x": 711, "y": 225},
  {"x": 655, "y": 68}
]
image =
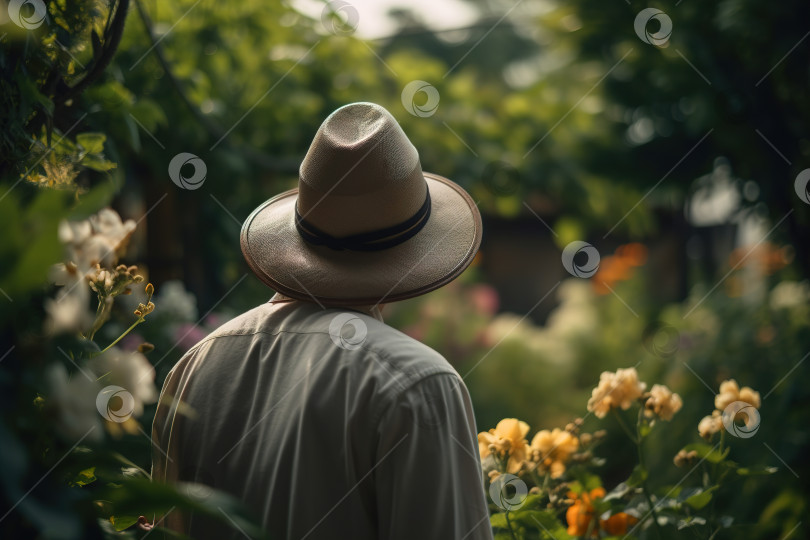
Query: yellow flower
[
  {"x": 551, "y": 450},
  {"x": 710, "y": 425},
  {"x": 731, "y": 392},
  {"x": 662, "y": 402},
  {"x": 615, "y": 390},
  {"x": 507, "y": 439}
]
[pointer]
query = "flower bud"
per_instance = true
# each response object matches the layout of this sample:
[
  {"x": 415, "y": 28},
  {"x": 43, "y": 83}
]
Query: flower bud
[{"x": 585, "y": 439}]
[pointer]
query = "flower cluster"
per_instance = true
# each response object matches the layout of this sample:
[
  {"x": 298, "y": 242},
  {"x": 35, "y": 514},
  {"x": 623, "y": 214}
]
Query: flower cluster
[
  {"x": 580, "y": 516},
  {"x": 113, "y": 282},
  {"x": 614, "y": 390},
  {"x": 556, "y": 492},
  {"x": 549, "y": 452},
  {"x": 92, "y": 248},
  {"x": 621, "y": 389},
  {"x": 730, "y": 392},
  {"x": 552, "y": 450},
  {"x": 663, "y": 403}
]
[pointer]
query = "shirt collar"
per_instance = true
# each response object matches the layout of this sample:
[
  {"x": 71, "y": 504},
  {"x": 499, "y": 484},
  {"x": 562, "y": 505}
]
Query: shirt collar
[{"x": 373, "y": 311}]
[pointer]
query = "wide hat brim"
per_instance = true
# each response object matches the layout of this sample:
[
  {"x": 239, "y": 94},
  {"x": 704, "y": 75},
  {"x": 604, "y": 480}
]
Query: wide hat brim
[{"x": 436, "y": 255}]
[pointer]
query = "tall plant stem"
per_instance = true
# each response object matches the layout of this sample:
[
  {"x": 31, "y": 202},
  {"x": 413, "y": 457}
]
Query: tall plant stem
[
  {"x": 127, "y": 331},
  {"x": 644, "y": 489},
  {"x": 509, "y": 524}
]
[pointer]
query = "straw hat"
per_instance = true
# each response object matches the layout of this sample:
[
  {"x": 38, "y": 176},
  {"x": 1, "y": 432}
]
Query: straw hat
[{"x": 365, "y": 224}]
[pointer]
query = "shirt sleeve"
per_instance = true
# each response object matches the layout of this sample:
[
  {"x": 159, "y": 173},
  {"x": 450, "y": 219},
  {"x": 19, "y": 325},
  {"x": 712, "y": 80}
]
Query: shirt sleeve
[
  {"x": 162, "y": 428},
  {"x": 428, "y": 476}
]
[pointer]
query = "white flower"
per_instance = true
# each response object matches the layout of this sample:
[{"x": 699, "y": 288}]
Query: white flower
[
  {"x": 73, "y": 401},
  {"x": 74, "y": 232},
  {"x": 68, "y": 312},
  {"x": 97, "y": 240},
  {"x": 789, "y": 294},
  {"x": 108, "y": 223},
  {"x": 64, "y": 274},
  {"x": 129, "y": 370},
  {"x": 176, "y": 303}
]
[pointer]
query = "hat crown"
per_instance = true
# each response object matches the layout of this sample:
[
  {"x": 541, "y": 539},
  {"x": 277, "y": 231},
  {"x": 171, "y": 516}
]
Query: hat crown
[{"x": 360, "y": 174}]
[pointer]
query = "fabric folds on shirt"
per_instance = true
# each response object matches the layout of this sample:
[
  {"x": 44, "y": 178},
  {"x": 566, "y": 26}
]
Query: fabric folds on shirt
[{"x": 322, "y": 436}]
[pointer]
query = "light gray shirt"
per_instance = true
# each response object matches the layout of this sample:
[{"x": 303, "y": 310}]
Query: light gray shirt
[{"x": 327, "y": 424}]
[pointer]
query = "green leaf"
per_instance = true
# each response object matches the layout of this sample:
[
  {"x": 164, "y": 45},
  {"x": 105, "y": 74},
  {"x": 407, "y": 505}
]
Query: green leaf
[
  {"x": 701, "y": 498},
  {"x": 96, "y": 42},
  {"x": 39, "y": 246},
  {"x": 84, "y": 478},
  {"x": 691, "y": 521},
  {"x": 97, "y": 163},
  {"x": 123, "y": 522},
  {"x": 149, "y": 114},
  {"x": 644, "y": 429},
  {"x": 756, "y": 470},
  {"x": 545, "y": 522},
  {"x": 142, "y": 497},
  {"x": 93, "y": 201},
  {"x": 637, "y": 477},
  {"x": 62, "y": 145},
  {"x": 93, "y": 143},
  {"x": 585, "y": 480},
  {"x": 709, "y": 453},
  {"x": 498, "y": 521}
]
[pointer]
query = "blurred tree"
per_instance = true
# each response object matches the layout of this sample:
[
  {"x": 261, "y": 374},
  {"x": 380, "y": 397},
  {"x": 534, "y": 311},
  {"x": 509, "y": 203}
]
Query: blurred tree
[{"x": 720, "y": 85}]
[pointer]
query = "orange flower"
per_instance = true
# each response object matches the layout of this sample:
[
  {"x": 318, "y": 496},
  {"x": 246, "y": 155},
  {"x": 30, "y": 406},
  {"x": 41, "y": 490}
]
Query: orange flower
[
  {"x": 619, "y": 266},
  {"x": 634, "y": 253},
  {"x": 766, "y": 258},
  {"x": 581, "y": 516},
  {"x": 617, "y": 524}
]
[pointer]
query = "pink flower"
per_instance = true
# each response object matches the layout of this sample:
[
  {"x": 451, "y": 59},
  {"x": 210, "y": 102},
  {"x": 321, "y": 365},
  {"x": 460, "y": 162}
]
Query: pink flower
[
  {"x": 187, "y": 335},
  {"x": 131, "y": 341},
  {"x": 416, "y": 331},
  {"x": 484, "y": 298}
]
